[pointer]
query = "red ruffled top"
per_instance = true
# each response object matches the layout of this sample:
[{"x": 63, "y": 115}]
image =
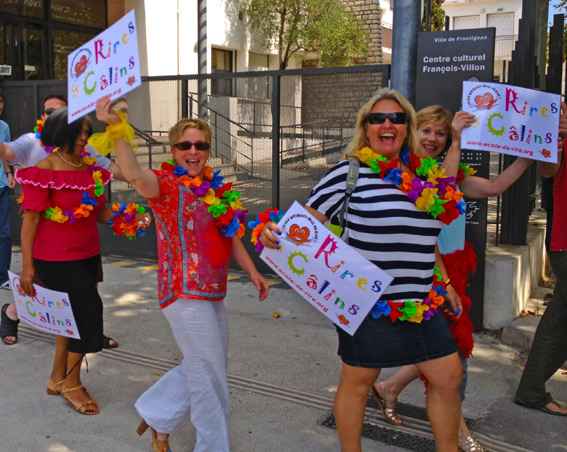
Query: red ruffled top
[{"x": 45, "y": 188}]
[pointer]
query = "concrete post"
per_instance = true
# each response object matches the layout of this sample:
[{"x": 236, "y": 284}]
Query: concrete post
[
  {"x": 407, "y": 16},
  {"x": 202, "y": 52}
]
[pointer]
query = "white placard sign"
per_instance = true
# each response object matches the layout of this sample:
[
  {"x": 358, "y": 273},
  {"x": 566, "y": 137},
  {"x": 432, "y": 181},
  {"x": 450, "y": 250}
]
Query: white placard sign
[
  {"x": 49, "y": 311},
  {"x": 324, "y": 270},
  {"x": 107, "y": 64},
  {"x": 511, "y": 120}
]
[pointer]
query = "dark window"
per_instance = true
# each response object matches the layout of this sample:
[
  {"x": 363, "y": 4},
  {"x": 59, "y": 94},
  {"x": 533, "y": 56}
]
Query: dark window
[
  {"x": 85, "y": 12},
  {"x": 221, "y": 63},
  {"x": 30, "y": 8},
  {"x": 64, "y": 42}
]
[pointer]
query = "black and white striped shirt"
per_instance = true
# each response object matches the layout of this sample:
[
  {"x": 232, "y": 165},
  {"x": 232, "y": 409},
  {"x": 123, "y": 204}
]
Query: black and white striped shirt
[{"x": 385, "y": 227}]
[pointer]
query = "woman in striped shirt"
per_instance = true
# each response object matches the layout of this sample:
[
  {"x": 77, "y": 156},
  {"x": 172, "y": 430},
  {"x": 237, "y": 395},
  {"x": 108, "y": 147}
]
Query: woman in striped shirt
[{"x": 393, "y": 220}]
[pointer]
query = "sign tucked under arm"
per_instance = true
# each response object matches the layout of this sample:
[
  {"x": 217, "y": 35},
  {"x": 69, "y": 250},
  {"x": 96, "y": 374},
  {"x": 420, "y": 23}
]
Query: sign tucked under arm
[
  {"x": 512, "y": 120},
  {"x": 324, "y": 270},
  {"x": 107, "y": 64}
]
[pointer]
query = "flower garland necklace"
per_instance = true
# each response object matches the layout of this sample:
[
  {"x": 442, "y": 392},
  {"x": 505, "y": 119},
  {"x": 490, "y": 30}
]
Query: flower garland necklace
[
  {"x": 88, "y": 202},
  {"x": 224, "y": 203},
  {"x": 430, "y": 190}
]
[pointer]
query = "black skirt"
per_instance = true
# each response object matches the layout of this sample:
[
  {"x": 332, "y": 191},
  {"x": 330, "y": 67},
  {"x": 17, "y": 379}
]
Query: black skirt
[
  {"x": 79, "y": 279},
  {"x": 381, "y": 343}
]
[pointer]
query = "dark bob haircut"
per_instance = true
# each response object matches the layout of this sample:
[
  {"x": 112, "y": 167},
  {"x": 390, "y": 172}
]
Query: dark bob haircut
[{"x": 57, "y": 133}]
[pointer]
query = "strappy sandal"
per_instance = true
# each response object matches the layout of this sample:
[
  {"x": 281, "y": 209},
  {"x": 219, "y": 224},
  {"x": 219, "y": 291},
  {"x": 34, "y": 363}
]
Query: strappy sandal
[
  {"x": 8, "y": 327},
  {"x": 471, "y": 445},
  {"x": 81, "y": 407},
  {"x": 390, "y": 413},
  {"x": 52, "y": 387},
  {"x": 157, "y": 445}
]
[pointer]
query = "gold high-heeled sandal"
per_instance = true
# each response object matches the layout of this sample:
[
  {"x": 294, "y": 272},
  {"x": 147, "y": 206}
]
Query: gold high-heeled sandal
[
  {"x": 390, "y": 412},
  {"x": 471, "y": 445},
  {"x": 157, "y": 445},
  {"x": 80, "y": 407},
  {"x": 52, "y": 387}
]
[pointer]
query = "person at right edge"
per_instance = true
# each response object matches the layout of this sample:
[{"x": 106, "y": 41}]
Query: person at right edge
[{"x": 549, "y": 347}]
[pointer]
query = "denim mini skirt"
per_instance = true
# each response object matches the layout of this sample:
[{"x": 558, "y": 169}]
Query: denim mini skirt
[{"x": 381, "y": 343}]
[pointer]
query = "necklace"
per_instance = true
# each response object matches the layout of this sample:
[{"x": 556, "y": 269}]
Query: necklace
[
  {"x": 76, "y": 165},
  {"x": 430, "y": 190},
  {"x": 90, "y": 196},
  {"x": 224, "y": 203}
]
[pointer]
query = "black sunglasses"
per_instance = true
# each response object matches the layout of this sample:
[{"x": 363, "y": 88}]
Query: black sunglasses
[
  {"x": 186, "y": 145},
  {"x": 380, "y": 118},
  {"x": 48, "y": 111}
]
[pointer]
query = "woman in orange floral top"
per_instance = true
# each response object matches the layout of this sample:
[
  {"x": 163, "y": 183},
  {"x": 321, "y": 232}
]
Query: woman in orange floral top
[{"x": 199, "y": 223}]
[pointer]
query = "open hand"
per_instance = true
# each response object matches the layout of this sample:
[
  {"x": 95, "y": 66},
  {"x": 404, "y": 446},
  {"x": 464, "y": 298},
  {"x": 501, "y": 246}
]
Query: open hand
[{"x": 104, "y": 113}]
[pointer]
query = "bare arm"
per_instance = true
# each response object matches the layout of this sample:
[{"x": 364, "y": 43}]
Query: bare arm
[
  {"x": 144, "y": 181},
  {"x": 452, "y": 296},
  {"x": 8, "y": 171},
  {"x": 29, "y": 230},
  {"x": 461, "y": 120},
  {"x": 479, "y": 187},
  {"x": 244, "y": 261},
  {"x": 6, "y": 152},
  {"x": 116, "y": 172}
]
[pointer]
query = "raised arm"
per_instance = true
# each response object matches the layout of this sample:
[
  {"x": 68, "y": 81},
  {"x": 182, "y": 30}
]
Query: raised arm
[
  {"x": 461, "y": 120},
  {"x": 144, "y": 181},
  {"x": 479, "y": 187}
]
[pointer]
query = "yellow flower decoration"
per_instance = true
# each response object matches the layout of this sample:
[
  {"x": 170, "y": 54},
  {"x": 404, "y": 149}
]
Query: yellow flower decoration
[
  {"x": 210, "y": 198},
  {"x": 57, "y": 215},
  {"x": 434, "y": 174},
  {"x": 426, "y": 199}
]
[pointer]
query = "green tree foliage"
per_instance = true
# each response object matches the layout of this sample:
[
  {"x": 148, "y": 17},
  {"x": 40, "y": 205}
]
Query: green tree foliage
[
  {"x": 322, "y": 26},
  {"x": 437, "y": 16}
]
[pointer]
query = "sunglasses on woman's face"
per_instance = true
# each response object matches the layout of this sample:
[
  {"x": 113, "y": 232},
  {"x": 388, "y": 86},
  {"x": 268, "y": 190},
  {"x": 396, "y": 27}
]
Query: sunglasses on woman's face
[
  {"x": 48, "y": 111},
  {"x": 380, "y": 118},
  {"x": 186, "y": 145}
]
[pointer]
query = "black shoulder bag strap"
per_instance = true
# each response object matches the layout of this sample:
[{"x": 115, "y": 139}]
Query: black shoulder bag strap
[{"x": 352, "y": 178}]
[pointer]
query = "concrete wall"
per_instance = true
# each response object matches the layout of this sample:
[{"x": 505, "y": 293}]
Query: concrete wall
[{"x": 511, "y": 274}]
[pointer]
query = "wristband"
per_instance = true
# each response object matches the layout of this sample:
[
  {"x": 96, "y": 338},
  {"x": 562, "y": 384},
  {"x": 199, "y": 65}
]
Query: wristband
[
  {"x": 104, "y": 142},
  {"x": 448, "y": 282}
]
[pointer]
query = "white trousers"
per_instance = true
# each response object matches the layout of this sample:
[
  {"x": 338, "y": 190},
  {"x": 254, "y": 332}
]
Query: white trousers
[{"x": 198, "y": 385}]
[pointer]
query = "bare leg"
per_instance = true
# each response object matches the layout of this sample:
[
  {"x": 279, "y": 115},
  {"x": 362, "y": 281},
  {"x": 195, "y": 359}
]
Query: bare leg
[
  {"x": 350, "y": 403},
  {"x": 73, "y": 380},
  {"x": 59, "y": 370},
  {"x": 397, "y": 382},
  {"x": 443, "y": 401}
]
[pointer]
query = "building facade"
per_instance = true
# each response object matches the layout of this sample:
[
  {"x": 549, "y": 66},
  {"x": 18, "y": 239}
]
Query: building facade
[{"x": 504, "y": 15}]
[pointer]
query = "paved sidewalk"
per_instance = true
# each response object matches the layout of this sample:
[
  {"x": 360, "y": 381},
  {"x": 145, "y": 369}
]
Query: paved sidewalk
[{"x": 282, "y": 375}]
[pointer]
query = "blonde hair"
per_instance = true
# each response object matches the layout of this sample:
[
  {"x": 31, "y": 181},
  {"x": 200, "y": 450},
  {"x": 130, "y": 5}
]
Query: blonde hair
[
  {"x": 437, "y": 115},
  {"x": 185, "y": 123},
  {"x": 360, "y": 140}
]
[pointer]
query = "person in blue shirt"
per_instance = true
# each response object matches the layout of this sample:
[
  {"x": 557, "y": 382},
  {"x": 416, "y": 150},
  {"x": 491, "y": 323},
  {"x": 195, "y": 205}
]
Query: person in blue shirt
[{"x": 6, "y": 182}]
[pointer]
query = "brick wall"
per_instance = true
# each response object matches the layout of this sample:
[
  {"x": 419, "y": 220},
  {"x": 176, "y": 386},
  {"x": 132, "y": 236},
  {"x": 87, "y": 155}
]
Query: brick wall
[{"x": 369, "y": 12}]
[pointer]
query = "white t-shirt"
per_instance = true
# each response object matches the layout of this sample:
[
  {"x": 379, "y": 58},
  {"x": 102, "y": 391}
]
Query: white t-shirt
[{"x": 29, "y": 152}]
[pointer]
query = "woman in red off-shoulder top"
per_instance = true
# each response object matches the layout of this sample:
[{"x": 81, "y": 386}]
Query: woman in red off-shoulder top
[{"x": 63, "y": 200}]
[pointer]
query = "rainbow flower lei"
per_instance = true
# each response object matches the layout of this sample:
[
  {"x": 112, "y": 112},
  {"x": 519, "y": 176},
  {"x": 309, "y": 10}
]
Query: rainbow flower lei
[
  {"x": 413, "y": 311},
  {"x": 258, "y": 224},
  {"x": 38, "y": 128},
  {"x": 89, "y": 200},
  {"x": 430, "y": 190},
  {"x": 122, "y": 220},
  {"x": 224, "y": 203}
]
